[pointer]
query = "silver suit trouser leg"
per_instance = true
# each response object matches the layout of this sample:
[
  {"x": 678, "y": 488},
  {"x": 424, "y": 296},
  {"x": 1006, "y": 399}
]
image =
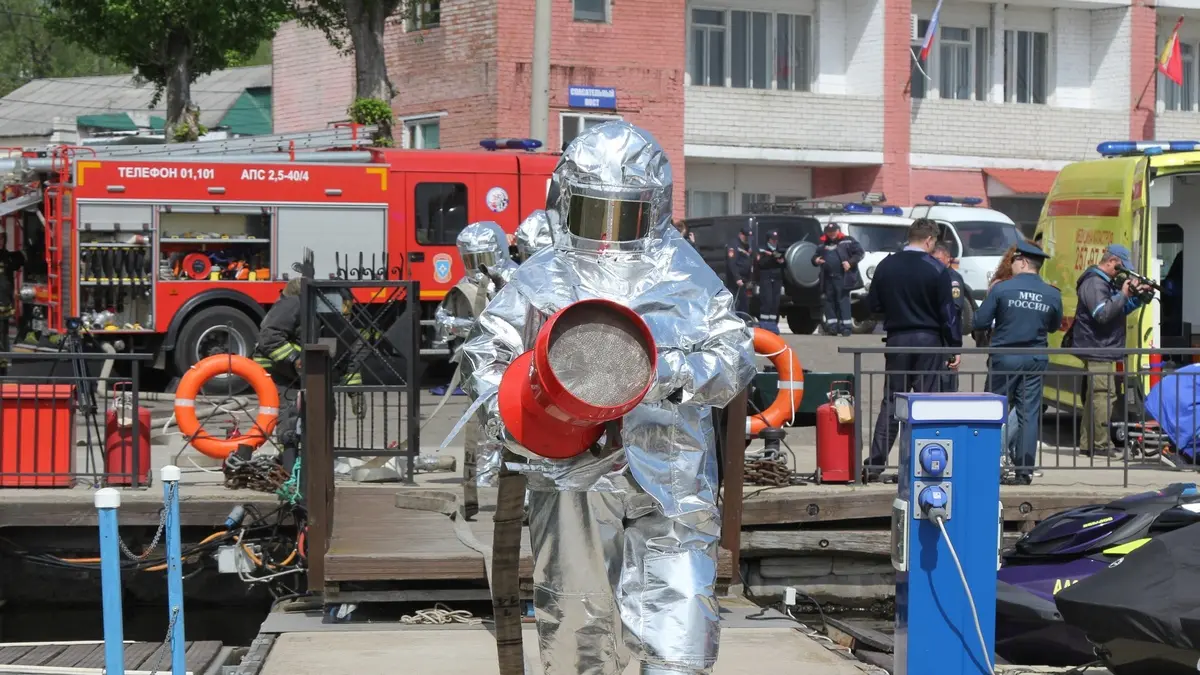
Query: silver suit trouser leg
[
  {"x": 577, "y": 541},
  {"x": 614, "y": 576}
]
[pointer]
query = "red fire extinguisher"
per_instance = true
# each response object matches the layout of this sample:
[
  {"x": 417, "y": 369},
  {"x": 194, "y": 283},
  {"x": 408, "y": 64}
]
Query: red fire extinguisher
[
  {"x": 119, "y": 431},
  {"x": 835, "y": 436}
]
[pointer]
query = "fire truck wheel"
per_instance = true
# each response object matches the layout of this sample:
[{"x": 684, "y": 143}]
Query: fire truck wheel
[{"x": 216, "y": 330}]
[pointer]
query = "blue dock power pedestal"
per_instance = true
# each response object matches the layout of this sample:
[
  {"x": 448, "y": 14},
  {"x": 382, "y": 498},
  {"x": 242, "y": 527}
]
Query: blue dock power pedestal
[{"x": 947, "y": 524}]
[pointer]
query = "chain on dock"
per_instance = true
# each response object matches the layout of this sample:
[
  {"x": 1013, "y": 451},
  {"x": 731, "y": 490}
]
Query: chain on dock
[
  {"x": 768, "y": 472},
  {"x": 162, "y": 526}
]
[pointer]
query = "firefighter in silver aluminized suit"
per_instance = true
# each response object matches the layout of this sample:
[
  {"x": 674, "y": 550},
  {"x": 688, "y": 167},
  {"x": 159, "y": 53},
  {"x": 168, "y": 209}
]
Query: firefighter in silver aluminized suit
[
  {"x": 534, "y": 233},
  {"x": 625, "y": 545},
  {"x": 483, "y": 247}
]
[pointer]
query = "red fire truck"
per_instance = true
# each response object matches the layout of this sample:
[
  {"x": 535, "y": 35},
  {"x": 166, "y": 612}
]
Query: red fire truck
[{"x": 179, "y": 249}]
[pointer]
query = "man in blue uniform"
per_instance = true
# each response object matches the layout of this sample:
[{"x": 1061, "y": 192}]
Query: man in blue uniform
[
  {"x": 770, "y": 283},
  {"x": 838, "y": 257},
  {"x": 915, "y": 294},
  {"x": 1021, "y": 312},
  {"x": 739, "y": 265},
  {"x": 941, "y": 251}
]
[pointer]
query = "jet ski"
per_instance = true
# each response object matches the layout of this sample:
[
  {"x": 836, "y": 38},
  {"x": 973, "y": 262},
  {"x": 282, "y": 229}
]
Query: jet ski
[
  {"x": 1065, "y": 549},
  {"x": 1141, "y": 610}
]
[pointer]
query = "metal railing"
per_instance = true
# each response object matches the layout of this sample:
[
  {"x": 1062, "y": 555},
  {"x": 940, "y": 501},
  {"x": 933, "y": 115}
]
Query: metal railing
[
  {"x": 65, "y": 421},
  {"x": 1135, "y": 438}
]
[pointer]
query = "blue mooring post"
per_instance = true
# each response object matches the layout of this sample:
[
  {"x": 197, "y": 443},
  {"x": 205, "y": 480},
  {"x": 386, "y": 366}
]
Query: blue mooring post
[
  {"x": 170, "y": 479},
  {"x": 950, "y": 447},
  {"x": 108, "y": 500}
]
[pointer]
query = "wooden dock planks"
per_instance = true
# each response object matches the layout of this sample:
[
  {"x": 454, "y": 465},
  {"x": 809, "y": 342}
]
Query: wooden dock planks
[
  {"x": 138, "y": 655},
  {"x": 375, "y": 541}
]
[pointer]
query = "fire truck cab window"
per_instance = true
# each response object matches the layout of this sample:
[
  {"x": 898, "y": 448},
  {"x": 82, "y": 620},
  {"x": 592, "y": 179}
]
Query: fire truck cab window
[{"x": 441, "y": 210}]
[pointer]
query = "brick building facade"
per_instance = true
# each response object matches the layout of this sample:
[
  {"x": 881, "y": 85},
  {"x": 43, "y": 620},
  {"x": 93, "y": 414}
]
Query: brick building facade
[{"x": 774, "y": 99}]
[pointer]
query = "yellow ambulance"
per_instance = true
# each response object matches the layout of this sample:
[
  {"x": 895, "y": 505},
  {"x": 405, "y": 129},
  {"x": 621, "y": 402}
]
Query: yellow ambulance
[{"x": 1145, "y": 195}]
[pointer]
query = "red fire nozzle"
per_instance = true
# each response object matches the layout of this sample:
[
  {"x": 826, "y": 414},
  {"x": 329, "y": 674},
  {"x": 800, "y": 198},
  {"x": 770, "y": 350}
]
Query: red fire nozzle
[{"x": 592, "y": 362}]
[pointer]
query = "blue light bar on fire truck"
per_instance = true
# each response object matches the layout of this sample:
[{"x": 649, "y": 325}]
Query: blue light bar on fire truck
[
  {"x": 867, "y": 208},
  {"x": 510, "y": 144},
  {"x": 1125, "y": 148},
  {"x": 961, "y": 201}
]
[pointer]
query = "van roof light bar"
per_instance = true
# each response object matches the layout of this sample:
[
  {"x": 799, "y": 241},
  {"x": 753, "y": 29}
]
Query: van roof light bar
[
  {"x": 868, "y": 208},
  {"x": 510, "y": 144},
  {"x": 946, "y": 200},
  {"x": 1131, "y": 148}
]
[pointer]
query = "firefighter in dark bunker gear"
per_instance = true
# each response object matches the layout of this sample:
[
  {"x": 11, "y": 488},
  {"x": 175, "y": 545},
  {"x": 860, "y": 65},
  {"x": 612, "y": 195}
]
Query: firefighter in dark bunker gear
[
  {"x": 739, "y": 266},
  {"x": 771, "y": 263},
  {"x": 838, "y": 257},
  {"x": 278, "y": 352}
]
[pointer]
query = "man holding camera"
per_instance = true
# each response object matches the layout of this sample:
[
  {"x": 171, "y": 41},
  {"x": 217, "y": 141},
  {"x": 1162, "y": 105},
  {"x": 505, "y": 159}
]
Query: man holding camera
[{"x": 1105, "y": 298}]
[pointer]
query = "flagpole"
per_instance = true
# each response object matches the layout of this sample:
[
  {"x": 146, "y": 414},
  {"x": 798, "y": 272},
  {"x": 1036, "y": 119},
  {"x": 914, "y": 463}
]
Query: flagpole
[{"x": 1158, "y": 63}]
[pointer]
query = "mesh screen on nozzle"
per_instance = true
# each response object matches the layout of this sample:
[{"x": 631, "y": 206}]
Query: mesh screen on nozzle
[{"x": 598, "y": 356}]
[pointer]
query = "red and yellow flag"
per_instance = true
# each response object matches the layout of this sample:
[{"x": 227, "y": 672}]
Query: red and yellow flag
[{"x": 1170, "y": 62}]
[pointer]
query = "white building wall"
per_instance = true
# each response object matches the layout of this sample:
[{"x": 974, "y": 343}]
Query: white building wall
[
  {"x": 738, "y": 179},
  {"x": 1071, "y": 71},
  {"x": 829, "y": 31},
  {"x": 1110, "y": 47},
  {"x": 781, "y": 119},
  {"x": 863, "y": 41}
]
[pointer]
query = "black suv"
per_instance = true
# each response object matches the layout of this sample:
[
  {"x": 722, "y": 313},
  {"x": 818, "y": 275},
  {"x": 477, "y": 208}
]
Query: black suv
[{"x": 798, "y": 237}]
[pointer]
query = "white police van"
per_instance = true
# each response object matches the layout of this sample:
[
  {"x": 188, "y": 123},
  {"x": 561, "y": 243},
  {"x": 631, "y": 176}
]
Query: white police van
[{"x": 977, "y": 237}]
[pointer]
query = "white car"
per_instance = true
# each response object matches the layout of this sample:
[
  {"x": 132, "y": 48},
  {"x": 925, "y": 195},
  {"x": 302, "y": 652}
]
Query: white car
[{"x": 978, "y": 237}]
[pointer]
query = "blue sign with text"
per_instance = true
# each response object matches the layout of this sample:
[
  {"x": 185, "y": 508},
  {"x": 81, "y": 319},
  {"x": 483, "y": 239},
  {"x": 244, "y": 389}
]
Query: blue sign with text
[{"x": 602, "y": 98}]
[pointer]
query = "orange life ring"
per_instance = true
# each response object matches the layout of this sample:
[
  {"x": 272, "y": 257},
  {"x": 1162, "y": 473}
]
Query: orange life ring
[
  {"x": 791, "y": 383},
  {"x": 205, "y": 370}
]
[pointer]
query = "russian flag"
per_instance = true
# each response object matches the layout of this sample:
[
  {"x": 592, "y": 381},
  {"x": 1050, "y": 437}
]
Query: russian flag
[{"x": 931, "y": 31}]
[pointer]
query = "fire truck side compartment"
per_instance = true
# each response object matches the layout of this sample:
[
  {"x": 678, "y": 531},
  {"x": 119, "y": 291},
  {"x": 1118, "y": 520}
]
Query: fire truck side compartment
[{"x": 329, "y": 230}]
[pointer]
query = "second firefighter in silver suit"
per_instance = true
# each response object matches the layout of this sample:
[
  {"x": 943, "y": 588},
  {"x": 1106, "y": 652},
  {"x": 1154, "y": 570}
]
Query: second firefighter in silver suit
[
  {"x": 624, "y": 545},
  {"x": 483, "y": 248}
]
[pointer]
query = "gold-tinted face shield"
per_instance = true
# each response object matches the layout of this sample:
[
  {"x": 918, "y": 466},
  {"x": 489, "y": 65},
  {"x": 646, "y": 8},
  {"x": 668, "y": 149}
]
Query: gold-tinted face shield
[
  {"x": 606, "y": 219},
  {"x": 474, "y": 262}
]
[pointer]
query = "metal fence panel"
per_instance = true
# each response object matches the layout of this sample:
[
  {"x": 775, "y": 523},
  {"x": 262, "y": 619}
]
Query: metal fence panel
[
  {"x": 1136, "y": 433},
  {"x": 373, "y": 328}
]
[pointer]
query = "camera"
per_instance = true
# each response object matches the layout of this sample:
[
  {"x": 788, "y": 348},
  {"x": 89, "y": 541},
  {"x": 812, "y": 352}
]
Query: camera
[{"x": 73, "y": 323}]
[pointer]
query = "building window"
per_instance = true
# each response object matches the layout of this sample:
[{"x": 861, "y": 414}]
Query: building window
[
  {"x": 958, "y": 65},
  {"x": 983, "y": 63},
  {"x": 423, "y": 134},
  {"x": 441, "y": 212},
  {"x": 750, "y": 42},
  {"x": 793, "y": 44},
  {"x": 573, "y": 124},
  {"x": 1175, "y": 96},
  {"x": 749, "y": 199},
  {"x": 701, "y": 204},
  {"x": 1026, "y": 64},
  {"x": 708, "y": 48},
  {"x": 424, "y": 15},
  {"x": 591, "y": 10},
  {"x": 765, "y": 50},
  {"x": 955, "y": 66}
]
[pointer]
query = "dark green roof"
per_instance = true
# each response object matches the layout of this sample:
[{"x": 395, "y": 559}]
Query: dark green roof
[
  {"x": 250, "y": 114},
  {"x": 107, "y": 121}
]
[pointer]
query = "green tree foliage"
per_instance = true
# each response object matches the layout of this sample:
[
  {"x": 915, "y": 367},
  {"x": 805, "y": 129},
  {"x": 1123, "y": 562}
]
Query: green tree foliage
[
  {"x": 356, "y": 27},
  {"x": 170, "y": 43},
  {"x": 28, "y": 51}
]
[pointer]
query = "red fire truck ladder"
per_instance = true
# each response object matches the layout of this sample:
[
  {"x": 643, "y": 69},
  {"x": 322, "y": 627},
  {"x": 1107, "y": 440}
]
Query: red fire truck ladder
[{"x": 58, "y": 198}]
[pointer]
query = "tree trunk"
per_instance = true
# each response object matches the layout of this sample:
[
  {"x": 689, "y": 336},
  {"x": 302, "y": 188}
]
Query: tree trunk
[
  {"x": 366, "y": 20},
  {"x": 183, "y": 120}
]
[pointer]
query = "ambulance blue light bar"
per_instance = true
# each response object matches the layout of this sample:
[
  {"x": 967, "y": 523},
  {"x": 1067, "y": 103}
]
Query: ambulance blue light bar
[
  {"x": 1124, "y": 148},
  {"x": 510, "y": 144},
  {"x": 867, "y": 208},
  {"x": 946, "y": 199}
]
